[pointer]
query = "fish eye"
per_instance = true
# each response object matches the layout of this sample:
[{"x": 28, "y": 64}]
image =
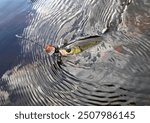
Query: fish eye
[{"x": 68, "y": 50}]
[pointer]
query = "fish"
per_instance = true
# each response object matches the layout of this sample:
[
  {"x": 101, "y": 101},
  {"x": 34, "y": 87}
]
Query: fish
[{"x": 80, "y": 45}]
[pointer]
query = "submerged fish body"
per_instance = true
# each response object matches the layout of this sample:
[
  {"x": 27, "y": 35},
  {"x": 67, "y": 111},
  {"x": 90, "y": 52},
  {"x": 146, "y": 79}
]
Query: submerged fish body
[
  {"x": 85, "y": 43},
  {"x": 80, "y": 45},
  {"x": 98, "y": 54}
]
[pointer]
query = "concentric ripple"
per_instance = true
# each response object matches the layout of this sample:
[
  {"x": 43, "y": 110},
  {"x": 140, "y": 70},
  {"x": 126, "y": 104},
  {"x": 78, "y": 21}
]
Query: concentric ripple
[{"x": 115, "y": 72}]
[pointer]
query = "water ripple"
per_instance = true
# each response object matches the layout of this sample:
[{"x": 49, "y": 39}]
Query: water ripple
[{"x": 103, "y": 75}]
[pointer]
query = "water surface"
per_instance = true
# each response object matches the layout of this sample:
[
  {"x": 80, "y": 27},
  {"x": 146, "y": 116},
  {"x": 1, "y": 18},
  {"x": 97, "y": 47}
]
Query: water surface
[{"x": 115, "y": 72}]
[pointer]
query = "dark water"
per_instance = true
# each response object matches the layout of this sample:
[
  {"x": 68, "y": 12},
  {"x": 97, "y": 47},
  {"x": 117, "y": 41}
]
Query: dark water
[{"x": 115, "y": 72}]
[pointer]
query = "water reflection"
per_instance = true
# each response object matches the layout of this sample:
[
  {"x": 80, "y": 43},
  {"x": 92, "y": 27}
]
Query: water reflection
[
  {"x": 13, "y": 20},
  {"x": 115, "y": 72}
]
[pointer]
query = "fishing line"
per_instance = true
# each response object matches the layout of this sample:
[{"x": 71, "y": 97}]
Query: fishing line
[{"x": 21, "y": 37}]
